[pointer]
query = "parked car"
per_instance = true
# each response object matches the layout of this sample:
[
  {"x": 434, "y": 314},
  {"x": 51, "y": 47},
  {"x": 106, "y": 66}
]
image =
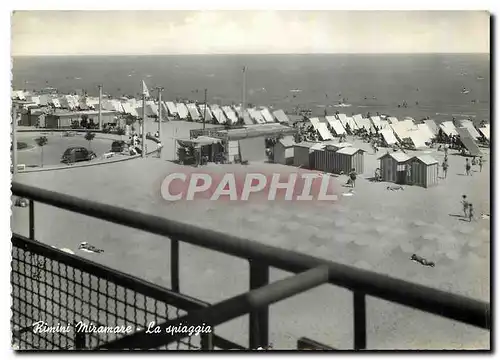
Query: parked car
[
  {"x": 75, "y": 154},
  {"x": 118, "y": 146}
]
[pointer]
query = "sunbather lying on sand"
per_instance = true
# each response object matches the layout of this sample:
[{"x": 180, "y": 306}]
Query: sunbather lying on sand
[
  {"x": 422, "y": 261},
  {"x": 395, "y": 188}
]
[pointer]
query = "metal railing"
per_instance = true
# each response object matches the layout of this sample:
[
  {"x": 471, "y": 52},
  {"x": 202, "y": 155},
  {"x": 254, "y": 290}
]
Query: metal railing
[{"x": 311, "y": 272}]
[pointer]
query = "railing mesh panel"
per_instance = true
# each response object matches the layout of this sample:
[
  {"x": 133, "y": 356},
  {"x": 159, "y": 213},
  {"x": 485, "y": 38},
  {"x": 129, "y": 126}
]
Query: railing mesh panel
[{"x": 44, "y": 289}]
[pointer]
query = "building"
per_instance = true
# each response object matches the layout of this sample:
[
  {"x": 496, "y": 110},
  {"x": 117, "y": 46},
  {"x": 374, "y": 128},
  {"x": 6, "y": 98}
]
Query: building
[
  {"x": 283, "y": 151},
  {"x": 393, "y": 167},
  {"x": 303, "y": 154},
  {"x": 64, "y": 119},
  {"x": 339, "y": 160},
  {"x": 349, "y": 158},
  {"x": 423, "y": 171},
  {"x": 247, "y": 143}
]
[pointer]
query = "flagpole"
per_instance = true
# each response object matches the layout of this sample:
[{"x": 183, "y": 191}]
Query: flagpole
[
  {"x": 243, "y": 106},
  {"x": 100, "y": 107},
  {"x": 205, "y": 111},
  {"x": 143, "y": 122}
]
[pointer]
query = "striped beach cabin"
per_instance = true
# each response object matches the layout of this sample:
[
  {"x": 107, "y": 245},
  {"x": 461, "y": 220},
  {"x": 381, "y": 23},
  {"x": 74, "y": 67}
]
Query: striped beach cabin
[
  {"x": 339, "y": 160},
  {"x": 393, "y": 167},
  {"x": 303, "y": 154},
  {"x": 423, "y": 171}
]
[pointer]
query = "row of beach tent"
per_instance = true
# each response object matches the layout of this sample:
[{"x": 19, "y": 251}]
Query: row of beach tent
[
  {"x": 183, "y": 111},
  {"x": 394, "y": 130}
]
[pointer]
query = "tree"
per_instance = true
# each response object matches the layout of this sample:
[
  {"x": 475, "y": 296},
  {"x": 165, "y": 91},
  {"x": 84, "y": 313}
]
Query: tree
[
  {"x": 41, "y": 141},
  {"x": 120, "y": 131},
  {"x": 84, "y": 122},
  {"x": 89, "y": 136}
]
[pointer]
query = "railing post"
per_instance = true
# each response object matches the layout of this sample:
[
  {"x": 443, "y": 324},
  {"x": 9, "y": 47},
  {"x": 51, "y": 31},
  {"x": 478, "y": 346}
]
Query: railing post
[
  {"x": 359, "y": 321},
  {"x": 80, "y": 341},
  {"x": 174, "y": 265},
  {"x": 32, "y": 219},
  {"x": 207, "y": 341},
  {"x": 259, "y": 318}
]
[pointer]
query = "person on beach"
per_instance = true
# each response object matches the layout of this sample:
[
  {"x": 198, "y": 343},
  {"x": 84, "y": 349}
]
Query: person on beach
[
  {"x": 465, "y": 204},
  {"x": 467, "y": 167},
  {"x": 471, "y": 212},
  {"x": 445, "y": 168},
  {"x": 480, "y": 164},
  {"x": 352, "y": 177}
]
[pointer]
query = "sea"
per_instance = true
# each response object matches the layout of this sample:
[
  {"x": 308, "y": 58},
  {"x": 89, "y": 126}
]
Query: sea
[{"x": 432, "y": 85}]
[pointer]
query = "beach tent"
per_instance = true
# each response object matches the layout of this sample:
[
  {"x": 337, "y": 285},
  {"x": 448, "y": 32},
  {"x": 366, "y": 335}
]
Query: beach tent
[
  {"x": 426, "y": 132},
  {"x": 431, "y": 124},
  {"x": 384, "y": 124},
  {"x": 151, "y": 108},
  {"x": 281, "y": 116},
  {"x": 470, "y": 127},
  {"x": 172, "y": 109},
  {"x": 393, "y": 167},
  {"x": 388, "y": 137},
  {"x": 336, "y": 125},
  {"x": 303, "y": 154},
  {"x": 448, "y": 128},
  {"x": 193, "y": 111},
  {"x": 423, "y": 171},
  {"x": 268, "y": 117},
  {"x": 208, "y": 113},
  {"x": 468, "y": 141},
  {"x": 418, "y": 138},
  {"x": 283, "y": 151},
  {"x": 315, "y": 122},
  {"x": 375, "y": 120},
  {"x": 164, "y": 110},
  {"x": 230, "y": 114},
  {"x": 56, "y": 103},
  {"x": 366, "y": 124},
  {"x": 324, "y": 132},
  {"x": 182, "y": 110},
  {"x": 400, "y": 130},
  {"x": 392, "y": 119},
  {"x": 218, "y": 114},
  {"x": 247, "y": 119},
  {"x": 63, "y": 101},
  {"x": 486, "y": 132},
  {"x": 352, "y": 124},
  {"x": 343, "y": 119},
  {"x": 256, "y": 116},
  {"x": 408, "y": 124},
  {"x": 357, "y": 118}
]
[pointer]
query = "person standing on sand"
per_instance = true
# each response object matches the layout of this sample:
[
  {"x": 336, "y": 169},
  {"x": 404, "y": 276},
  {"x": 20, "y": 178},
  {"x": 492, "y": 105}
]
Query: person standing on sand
[
  {"x": 465, "y": 204},
  {"x": 471, "y": 213},
  {"x": 481, "y": 164},
  {"x": 467, "y": 167},
  {"x": 352, "y": 177},
  {"x": 445, "y": 168}
]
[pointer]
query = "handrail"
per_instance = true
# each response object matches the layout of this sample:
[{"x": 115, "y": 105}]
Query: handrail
[{"x": 456, "y": 307}]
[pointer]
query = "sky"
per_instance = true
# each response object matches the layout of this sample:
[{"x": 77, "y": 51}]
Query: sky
[{"x": 36, "y": 33}]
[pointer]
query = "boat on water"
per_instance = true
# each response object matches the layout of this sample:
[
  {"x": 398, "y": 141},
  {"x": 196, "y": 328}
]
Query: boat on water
[
  {"x": 480, "y": 78},
  {"x": 342, "y": 105},
  {"x": 295, "y": 90},
  {"x": 465, "y": 91}
]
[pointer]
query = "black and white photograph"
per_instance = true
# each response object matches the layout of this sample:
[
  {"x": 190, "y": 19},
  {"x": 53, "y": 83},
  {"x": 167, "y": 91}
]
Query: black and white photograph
[{"x": 252, "y": 180}]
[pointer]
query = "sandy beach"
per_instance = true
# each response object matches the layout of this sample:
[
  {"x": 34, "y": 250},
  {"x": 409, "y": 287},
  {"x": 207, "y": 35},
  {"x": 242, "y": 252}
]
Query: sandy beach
[{"x": 374, "y": 229}]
